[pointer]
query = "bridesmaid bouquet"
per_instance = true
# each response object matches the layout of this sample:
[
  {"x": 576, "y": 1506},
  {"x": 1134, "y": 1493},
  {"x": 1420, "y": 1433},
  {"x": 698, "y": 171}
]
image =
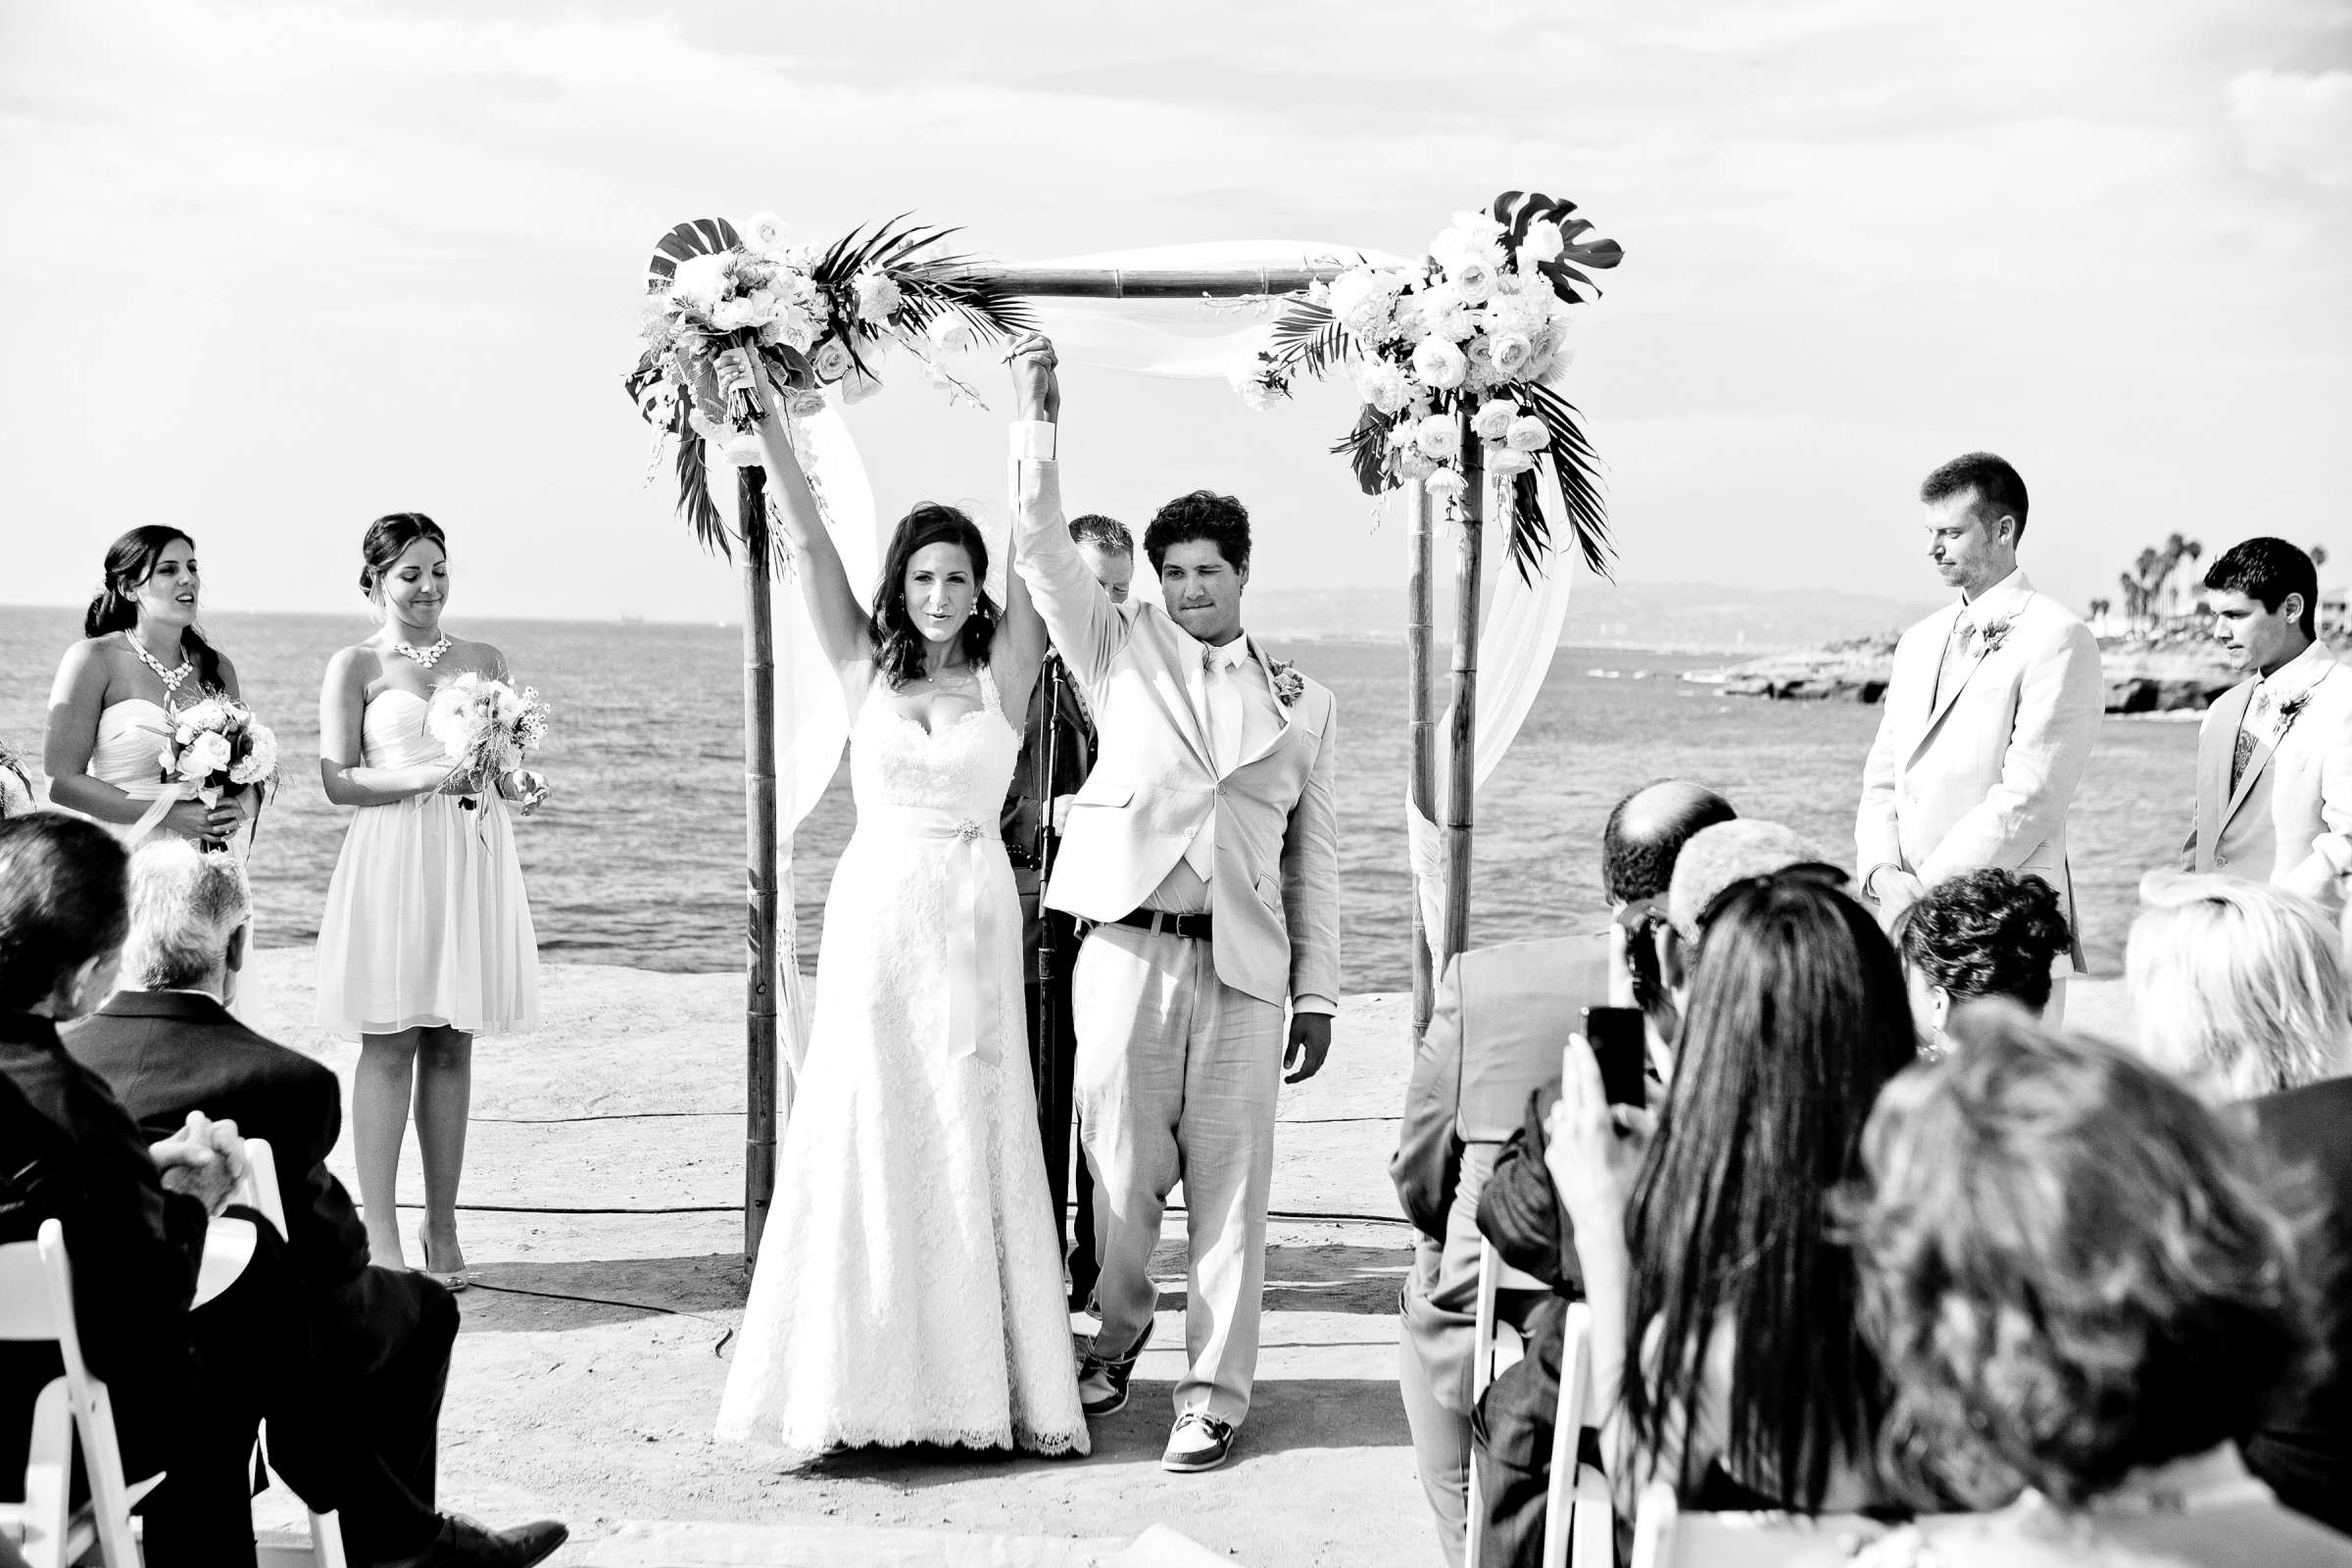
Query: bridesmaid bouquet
[
  {"x": 485, "y": 727},
  {"x": 218, "y": 748}
]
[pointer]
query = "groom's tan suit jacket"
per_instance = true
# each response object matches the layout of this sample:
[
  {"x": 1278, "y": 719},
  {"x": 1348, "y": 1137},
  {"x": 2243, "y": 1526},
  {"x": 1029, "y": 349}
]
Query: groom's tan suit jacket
[
  {"x": 1980, "y": 768},
  {"x": 2289, "y": 820},
  {"x": 1274, "y": 895}
]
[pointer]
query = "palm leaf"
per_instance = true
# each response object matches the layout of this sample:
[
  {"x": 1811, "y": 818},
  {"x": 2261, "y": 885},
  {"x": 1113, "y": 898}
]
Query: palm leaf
[
  {"x": 1308, "y": 336},
  {"x": 694, "y": 495},
  {"x": 1574, "y": 464},
  {"x": 1366, "y": 448}
]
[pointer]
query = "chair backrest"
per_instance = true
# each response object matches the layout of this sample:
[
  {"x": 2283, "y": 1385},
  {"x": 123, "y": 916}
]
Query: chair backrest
[
  {"x": 259, "y": 1187},
  {"x": 26, "y": 1313},
  {"x": 1665, "y": 1537},
  {"x": 1514, "y": 1025}
]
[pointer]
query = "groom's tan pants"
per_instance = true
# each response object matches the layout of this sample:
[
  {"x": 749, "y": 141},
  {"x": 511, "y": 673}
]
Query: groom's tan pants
[{"x": 1176, "y": 1078}]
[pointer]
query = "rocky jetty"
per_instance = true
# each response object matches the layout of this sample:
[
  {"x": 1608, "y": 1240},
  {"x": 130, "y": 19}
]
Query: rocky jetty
[{"x": 2143, "y": 677}]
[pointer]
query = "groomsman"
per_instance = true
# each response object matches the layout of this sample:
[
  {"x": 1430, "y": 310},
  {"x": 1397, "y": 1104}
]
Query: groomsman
[
  {"x": 1203, "y": 853},
  {"x": 1058, "y": 739},
  {"x": 1991, "y": 715},
  {"x": 2274, "y": 756}
]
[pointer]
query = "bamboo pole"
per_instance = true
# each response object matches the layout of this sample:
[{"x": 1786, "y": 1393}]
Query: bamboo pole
[
  {"x": 759, "y": 864},
  {"x": 1422, "y": 786},
  {"x": 1148, "y": 283},
  {"x": 1461, "y": 739}
]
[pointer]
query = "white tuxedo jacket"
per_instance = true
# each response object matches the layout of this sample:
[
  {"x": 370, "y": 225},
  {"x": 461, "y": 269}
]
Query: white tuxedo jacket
[
  {"x": 2290, "y": 820},
  {"x": 1983, "y": 773},
  {"x": 1274, "y": 893}
]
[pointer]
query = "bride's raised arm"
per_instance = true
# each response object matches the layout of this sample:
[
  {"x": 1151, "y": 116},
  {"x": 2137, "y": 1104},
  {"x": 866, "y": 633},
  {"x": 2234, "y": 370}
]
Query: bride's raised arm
[{"x": 843, "y": 628}]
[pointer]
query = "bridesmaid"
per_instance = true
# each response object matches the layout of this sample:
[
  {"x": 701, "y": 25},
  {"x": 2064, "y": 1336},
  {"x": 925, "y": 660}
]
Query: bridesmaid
[
  {"x": 426, "y": 941},
  {"x": 141, "y": 660}
]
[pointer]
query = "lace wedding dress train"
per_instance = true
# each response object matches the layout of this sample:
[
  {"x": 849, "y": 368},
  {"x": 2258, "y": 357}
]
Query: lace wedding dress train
[{"x": 909, "y": 1288}]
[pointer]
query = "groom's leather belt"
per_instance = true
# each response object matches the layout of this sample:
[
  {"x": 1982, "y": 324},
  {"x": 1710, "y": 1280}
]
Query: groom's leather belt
[{"x": 1195, "y": 926}]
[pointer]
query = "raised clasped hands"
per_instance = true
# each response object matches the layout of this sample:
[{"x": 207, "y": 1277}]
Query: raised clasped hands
[
  {"x": 525, "y": 788},
  {"x": 1593, "y": 1148},
  {"x": 204, "y": 1160},
  {"x": 1036, "y": 387}
]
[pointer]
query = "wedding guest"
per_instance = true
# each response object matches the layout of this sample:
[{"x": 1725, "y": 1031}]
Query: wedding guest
[
  {"x": 909, "y": 1288},
  {"x": 2079, "y": 1282},
  {"x": 141, "y": 660},
  {"x": 1059, "y": 740},
  {"x": 1989, "y": 716},
  {"x": 189, "y": 1387},
  {"x": 2273, "y": 796},
  {"x": 426, "y": 941},
  {"x": 1984, "y": 933},
  {"x": 1520, "y": 1213},
  {"x": 1509, "y": 1002},
  {"x": 1726, "y": 1355},
  {"x": 1205, "y": 847},
  {"x": 2241, "y": 990}
]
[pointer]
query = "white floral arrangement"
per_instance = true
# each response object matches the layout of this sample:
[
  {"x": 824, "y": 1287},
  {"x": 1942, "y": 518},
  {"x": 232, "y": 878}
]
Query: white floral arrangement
[
  {"x": 1469, "y": 344},
  {"x": 485, "y": 726},
  {"x": 219, "y": 749},
  {"x": 817, "y": 321}
]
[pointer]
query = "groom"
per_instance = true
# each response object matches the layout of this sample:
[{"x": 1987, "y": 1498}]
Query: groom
[{"x": 1204, "y": 850}]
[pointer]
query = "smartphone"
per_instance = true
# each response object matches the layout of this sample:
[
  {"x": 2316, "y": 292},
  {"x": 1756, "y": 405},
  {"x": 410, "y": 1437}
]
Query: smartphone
[{"x": 1621, "y": 1045}]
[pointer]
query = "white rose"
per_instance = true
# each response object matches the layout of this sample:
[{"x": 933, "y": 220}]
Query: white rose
[
  {"x": 1440, "y": 364},
  {"x": 729, "y": 314},
  {"x": 1510, "y": 352},
  {"x": 1544, "y": 242},
  {"x": 761, "y": 305},
  {"x": 1527, "y": 434},
  {"x": 764, "y": 231},
  {"x": 1505, "y": 463},
  {"x": 831, "y": 361},
  {"x": 1494, "y": 419},
  {"x": 803, "y": 406},
  {"x": 1364, "y": 302},
  {"x": 951, "y": 334},
  {"x": 1382, "y": 386},
  {"x": 205, "y": 756},
  {"x": 1474, "y": 279},
  {"x": 1443, "y": 484},
  {"x": 1439, "y": 437},
  {"x": 858, "y": 387},
  {"x": 700, "y": 283},
  {"x": 878, "y": 298}
]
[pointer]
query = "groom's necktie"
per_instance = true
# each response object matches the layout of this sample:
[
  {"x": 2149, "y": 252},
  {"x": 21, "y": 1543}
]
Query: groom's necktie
[
  {"x": 1218, "y": 667},
  {"x": 1956, "y": 659},
  {"x": 2243, "y": 751}
]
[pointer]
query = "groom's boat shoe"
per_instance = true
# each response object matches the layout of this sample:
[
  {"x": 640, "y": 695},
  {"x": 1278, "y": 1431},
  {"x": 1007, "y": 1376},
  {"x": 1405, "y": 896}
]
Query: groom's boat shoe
[
  {"x": 1201, "y": 1441},
  {"x": 1103, "y": 1382}
]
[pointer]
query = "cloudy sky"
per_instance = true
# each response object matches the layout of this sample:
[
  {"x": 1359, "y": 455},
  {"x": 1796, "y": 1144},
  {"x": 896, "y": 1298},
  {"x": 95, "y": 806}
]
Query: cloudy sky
[{"x": 275, "y": 268}]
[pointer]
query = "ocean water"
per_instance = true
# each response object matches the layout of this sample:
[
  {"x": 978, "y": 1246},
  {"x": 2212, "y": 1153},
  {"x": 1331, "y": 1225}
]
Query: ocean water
[{"x": 637, "y": 857}]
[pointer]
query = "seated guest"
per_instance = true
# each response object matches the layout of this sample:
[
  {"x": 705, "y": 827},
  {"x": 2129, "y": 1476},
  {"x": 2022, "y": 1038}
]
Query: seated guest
[
  {"x": 2081, "y": 1285},
  {"x": 268, "y": 1346},
  {"x": 1726, "y": 1355},
  {"x": 1984, "y": 933},
  {"x": 1492, "y": 1003},
  {"x": 2241, "y": 990}
]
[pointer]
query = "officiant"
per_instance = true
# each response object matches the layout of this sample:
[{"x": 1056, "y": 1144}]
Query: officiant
[{"x": 1057, "y": 752}]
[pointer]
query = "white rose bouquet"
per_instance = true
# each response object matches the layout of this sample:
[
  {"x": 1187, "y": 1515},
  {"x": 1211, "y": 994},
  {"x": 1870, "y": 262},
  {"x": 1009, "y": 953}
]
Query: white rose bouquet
[
  {"x": 218, "y": 749},
  {"x": 813, "y": 320},
  {"x": 1474, "y": 335},
  {"x": 486, "y": 728}
]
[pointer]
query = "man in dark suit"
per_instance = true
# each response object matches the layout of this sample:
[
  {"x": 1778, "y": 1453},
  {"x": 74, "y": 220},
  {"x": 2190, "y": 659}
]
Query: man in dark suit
[
  {"x": 2305, "y": 1452},
  {"x": 1057, "y": 752},
  {"x": 1494, "y": 1005},
  {"x": 363, "y": 1429}
]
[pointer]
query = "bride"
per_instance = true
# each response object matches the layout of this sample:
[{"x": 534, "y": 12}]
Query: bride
[
  {"x": 909, "y": 1283},
  {"x": 141, "y": 661}
]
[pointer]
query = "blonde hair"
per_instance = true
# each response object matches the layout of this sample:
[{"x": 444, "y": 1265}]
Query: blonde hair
[
  {"x": 2239, "y": 983},
  {"x": 185, "y": 906}
]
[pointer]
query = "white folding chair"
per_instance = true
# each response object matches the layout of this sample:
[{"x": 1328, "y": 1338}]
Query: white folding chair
[
  {"x": 274, "y": 1548},
  {"x": 1665, "y": 1537},
  {"x": 36, "y": 1305}
]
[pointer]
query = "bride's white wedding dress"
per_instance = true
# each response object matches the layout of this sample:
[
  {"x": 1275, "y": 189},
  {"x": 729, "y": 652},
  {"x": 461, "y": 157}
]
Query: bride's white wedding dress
[{"x": 909, "y": 1287}]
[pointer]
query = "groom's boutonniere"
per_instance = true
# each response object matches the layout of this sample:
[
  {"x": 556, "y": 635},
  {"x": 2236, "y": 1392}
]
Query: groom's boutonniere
[
  {"x": 2289, "y": 708},
  {"x": 1993, "y": 634},
  {"x": 1289, "y": 684}
]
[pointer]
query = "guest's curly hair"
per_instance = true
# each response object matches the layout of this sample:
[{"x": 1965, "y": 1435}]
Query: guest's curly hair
[
  {"x": 1201, "y": 514},
  {"x": 1986, "y": 933},
  {"x": 897, "y": 646},
  {"x": 2071, "y": 1267}
]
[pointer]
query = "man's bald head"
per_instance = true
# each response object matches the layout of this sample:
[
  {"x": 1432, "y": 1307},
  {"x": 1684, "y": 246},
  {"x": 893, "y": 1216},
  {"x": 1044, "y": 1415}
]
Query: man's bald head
[{"x": 1646, "y": 832}]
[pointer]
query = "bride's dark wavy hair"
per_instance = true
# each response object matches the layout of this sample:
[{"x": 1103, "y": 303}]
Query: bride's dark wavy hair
[
  {"x": 897, "y": 646},
  {"x": 129, "y": 562}
]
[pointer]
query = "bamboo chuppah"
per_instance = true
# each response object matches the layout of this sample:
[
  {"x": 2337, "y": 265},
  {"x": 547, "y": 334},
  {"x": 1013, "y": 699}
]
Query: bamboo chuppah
[{"x": 1478, "y": 501}]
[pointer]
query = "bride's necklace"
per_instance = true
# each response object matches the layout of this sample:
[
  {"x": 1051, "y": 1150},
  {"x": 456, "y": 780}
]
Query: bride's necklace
[
  {"x": 170, "y": 677},
  {"x": 426, "y": 657}
]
